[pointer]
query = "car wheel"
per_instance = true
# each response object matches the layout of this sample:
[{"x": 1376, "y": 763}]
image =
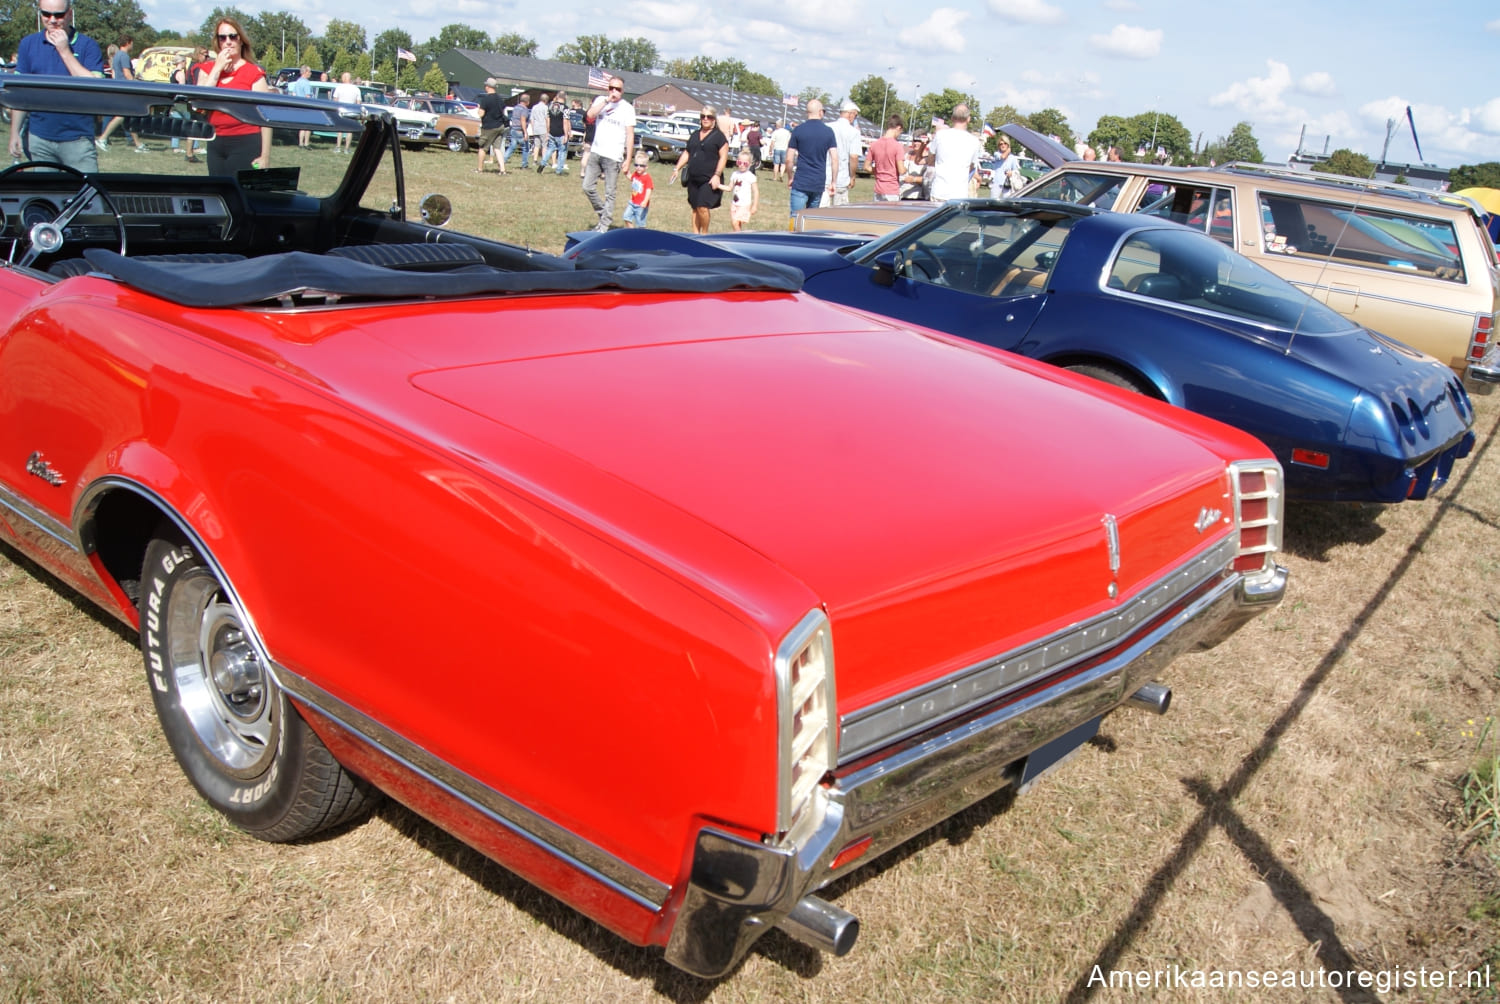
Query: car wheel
[
  {"x": 233, "y": 731},
  {"x": 1113, "y": 377},
  {"x": 456, "y": 140},
  {"x": 653, "y": 156}
]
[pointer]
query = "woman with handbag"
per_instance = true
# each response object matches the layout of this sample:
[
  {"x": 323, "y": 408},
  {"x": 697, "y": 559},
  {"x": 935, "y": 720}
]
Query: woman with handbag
[{"x": 701, "y": 167}]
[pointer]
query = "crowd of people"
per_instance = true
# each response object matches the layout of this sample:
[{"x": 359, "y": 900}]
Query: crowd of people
[{"x": 818, "y": 160}]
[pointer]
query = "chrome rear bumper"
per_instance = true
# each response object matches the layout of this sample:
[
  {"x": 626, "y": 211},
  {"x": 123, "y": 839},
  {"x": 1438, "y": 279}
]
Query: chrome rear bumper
[{"x": 738, "y": 888}]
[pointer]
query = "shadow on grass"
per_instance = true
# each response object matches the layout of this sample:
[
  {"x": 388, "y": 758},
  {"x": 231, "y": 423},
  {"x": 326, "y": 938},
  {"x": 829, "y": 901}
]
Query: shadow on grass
[
  {"x": 1314, "y": 529},
  {"x": 1216, "y": 804}
]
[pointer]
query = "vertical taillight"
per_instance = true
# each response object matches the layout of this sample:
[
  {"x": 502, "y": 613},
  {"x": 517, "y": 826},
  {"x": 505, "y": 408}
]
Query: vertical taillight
[
  {"x": 1258, "y": 502},
  {"x": 1479, "y": 341},
  {"x": 807, "y": 723}
]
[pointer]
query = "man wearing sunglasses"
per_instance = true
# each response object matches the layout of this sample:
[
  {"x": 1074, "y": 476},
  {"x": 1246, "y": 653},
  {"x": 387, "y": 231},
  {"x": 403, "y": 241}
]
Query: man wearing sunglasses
[
  {"x": 614, "y": 142},
  {"x": 58, "y": 50}
]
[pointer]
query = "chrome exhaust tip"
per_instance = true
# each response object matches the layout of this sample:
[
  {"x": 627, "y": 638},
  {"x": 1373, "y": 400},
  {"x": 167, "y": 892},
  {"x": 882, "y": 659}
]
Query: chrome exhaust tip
[
  {"x": 1153, "y": 697},
  {"x": 822, "y": 925}
]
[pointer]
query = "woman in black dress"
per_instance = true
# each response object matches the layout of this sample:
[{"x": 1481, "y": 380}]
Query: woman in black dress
[{"x": 707, "y": 149}]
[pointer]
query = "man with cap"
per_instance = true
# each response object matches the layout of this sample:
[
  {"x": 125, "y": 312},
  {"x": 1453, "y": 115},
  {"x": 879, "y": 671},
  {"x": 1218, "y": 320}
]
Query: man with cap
[{"x": 846, "y": 134}]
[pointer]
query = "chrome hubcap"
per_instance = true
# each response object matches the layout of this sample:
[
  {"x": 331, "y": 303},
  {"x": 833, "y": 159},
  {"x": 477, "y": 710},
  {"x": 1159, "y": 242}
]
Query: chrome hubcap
[{"x": 221, "y": 684}]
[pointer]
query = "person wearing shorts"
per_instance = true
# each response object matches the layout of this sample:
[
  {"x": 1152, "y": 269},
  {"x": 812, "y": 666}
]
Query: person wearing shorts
[{"x": 641, "y": 187}]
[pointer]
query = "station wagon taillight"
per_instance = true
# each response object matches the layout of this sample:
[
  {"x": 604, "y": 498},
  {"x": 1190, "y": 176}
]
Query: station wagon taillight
[{"x": 1479, "y": 341}]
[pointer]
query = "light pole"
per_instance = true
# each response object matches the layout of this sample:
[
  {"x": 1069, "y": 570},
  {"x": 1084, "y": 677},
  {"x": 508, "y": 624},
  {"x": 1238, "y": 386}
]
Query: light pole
[{"x": 883, "y": 97}]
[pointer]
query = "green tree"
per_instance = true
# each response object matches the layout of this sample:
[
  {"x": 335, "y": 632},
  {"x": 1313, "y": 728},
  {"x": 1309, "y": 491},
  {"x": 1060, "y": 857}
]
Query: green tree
[
  {"x": 210, "y": 24},
  {"x": 1051, "y": 122},
  {"x": 633, "y": 55},
  {"x": 874, "y": 93},
  {"x": 1112, "y": 130},
  {"x": 364, "y": 69},
  {"x": 387, "y": 42},
  {"x": 511, "y": 44},
  {"x": 435, "y": 80},
  {"x": 409, "y": 80},
  {"x": 385, "y": 70},
  {"x": 459, "y": 36},
  {"x": 940, "y": 104},
  {"x": 809, "y": 92},
  {"x": 1240, "y": 144},
  {"x": 342, "y": 37},
  {"x": 105, "y": 21},
  {"x": 1345, "y": 161},
  {"x": 586, "y": 50},
  {"x": 1486, "y": 175},
  {"x": 279, "y": 32}
]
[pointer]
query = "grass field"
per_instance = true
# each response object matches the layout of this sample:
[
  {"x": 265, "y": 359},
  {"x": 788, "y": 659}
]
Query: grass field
[{"x": 1299, "y": 807}]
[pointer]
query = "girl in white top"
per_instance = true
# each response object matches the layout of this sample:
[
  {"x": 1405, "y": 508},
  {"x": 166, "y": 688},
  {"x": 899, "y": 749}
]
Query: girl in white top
[{"x": 744, "y": 192}]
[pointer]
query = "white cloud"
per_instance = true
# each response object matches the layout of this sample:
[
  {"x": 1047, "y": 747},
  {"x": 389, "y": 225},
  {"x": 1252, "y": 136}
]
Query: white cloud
[
  {"x": 941, "y": 32},
  {"x": 834, "y": 15},
  {"x": 1318, "y": 85},
  {"x": 1487, "y": 117},
  {"x": 1493, "y": 26},
  {"x": 668, "y": 16},
  {"x": 1026, "y": 11},
  {"x": 1258, "y": 94},
  {"x": 1128, "y": 42},
  {"x": 1122, "y": 5}
]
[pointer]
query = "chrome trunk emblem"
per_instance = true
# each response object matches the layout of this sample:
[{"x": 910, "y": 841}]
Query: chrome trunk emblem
[
  {"x": 1112, "y": 538},
  {"x": 1207, "y": 517}
]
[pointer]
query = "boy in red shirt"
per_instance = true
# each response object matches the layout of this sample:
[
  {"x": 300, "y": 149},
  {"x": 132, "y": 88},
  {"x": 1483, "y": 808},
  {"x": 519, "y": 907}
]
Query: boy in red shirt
[{"x": 641, "y": 187}]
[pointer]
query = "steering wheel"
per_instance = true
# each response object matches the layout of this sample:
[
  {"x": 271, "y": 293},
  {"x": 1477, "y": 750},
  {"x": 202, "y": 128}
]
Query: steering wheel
[
  {"x": 48, "y": 237},
  {"x": 930, "y": 265}
]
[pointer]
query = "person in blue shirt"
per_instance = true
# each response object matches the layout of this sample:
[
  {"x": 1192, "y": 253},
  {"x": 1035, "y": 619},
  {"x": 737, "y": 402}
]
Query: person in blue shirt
[
  {"x": 58, "y": 50},
  {"x": 810, "y": 162}
]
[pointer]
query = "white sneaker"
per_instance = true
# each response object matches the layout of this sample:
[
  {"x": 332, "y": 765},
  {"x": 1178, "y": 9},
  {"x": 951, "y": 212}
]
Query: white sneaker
[
  {"x": 102, "y": 144},
  {"x": 602, "y": 228}
]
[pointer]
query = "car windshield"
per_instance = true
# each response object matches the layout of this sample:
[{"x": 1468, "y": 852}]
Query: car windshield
[
  {"x": 977, "y": 248},
  {"x": 1081, "y": 187},
  {"x": 1192, "y": 270},
  {"x": 162, "y": 120}
]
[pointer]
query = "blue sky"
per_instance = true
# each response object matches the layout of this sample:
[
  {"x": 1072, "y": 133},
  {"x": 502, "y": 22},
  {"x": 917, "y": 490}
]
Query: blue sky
[{"x": 1338, "y": 67}]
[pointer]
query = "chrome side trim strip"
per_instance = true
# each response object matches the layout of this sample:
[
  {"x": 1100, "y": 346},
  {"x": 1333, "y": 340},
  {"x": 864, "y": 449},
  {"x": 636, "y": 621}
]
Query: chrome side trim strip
[
  {"x": 603, "y": 867},
  {"x": 915, "y": 711},
  {"x": 597, "y": 863},
  {"x": 42, "y": 520},
  {"x": 1313, "y": 288}
]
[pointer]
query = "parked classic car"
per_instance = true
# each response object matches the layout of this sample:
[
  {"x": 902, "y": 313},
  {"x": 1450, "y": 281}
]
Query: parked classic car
[
  {"x": 1159, "y": 309},
  {"x": 1347, "y": 241},
  {"x": 457, "y": 129},
  {"x": 678, "y": 620},
  {"x": 418, "y": 128}
]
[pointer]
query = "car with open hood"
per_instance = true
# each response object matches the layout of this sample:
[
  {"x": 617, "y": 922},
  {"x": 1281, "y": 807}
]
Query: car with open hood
[
  {"x": 675, "y": 590},
  {"x": 1156, "y": 308}
]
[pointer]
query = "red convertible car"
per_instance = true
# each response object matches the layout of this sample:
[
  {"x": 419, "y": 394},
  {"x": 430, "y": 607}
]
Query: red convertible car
[{"x": 676, "y": 591}]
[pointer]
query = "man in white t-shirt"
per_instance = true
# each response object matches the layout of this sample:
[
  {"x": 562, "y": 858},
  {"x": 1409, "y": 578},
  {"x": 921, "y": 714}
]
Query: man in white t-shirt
[
  {"x": 614, "y": 142},
  {"x": 345, "y": 92},
  {"x": 846, "y": 133},
  {"x": 952, "y": 155}
]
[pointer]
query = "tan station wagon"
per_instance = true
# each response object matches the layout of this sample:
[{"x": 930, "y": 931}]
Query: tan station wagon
[{"x": 1413, "y": 264}]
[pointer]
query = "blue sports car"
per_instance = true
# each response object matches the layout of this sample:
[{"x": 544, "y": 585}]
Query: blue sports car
[{"x": 1152, "y": 307}]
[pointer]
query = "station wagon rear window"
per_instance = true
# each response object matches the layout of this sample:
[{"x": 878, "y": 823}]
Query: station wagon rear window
[{"x": 1355, "y": 235}]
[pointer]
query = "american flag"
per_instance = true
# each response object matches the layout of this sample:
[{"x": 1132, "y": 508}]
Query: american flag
[
  {"x": 790, "y": 100},
  {"x": 988, "y": 129},
  {"x": 598, "y": 79},
  {"x": 406, "y": 54}
]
